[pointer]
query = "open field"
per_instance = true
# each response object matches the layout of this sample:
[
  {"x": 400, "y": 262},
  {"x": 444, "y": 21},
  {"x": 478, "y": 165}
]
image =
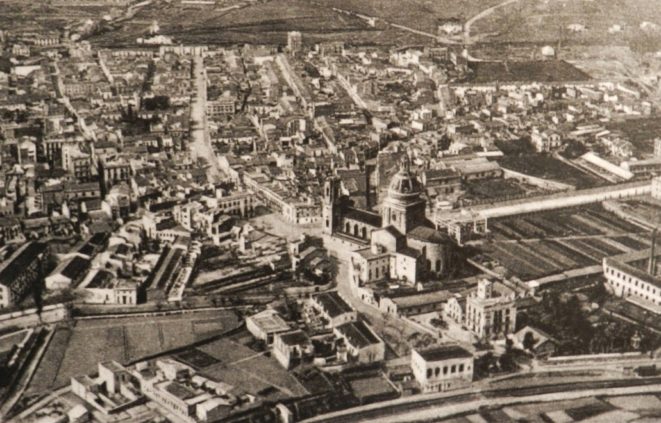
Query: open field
[
  {"x": 77, "y": 350},
  {"x": 553, "y": 242},
  {"x": 257, "y": 23},
  {"x": 549, "y": 21},
  {"x": 41, "y": 15}
]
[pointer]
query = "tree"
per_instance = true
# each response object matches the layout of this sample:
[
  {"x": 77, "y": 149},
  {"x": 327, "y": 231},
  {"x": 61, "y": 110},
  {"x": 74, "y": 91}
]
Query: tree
[
  {"x": 507, "y": 363},
  {"x": 528, "y": 341}
]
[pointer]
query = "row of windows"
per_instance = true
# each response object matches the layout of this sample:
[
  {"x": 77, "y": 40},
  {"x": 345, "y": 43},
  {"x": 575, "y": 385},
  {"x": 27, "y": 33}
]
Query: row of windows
[
  {"x": 451, "y": 369},
  {"x": 627, "y": 278}
]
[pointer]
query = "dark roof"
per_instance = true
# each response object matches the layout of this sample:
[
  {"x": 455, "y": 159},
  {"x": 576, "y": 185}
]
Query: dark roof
[
  {"x": 102, "y": 279},
  {"x": 364, "y": 216},
  {"x": 19, "y": 261},
  {"x": 358, "y": 334},
  {"x": 333, "y": 303},
  {"x": 296, "y": 337},
  {"x": 76, "y": 267},
  {"x": 445, "y": 352},
  {"x": 426, "y": 234}
]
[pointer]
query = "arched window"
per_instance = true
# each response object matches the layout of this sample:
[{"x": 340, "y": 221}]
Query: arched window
[
  {"x": 347, "y": 228},
  {"x": 437, "y": 372},
  {"x": 438, "y": 265},
  {"x": 429, "y": 373},
  {"x": 445, "y": 370},
  {"x": 364, "y": 232},
  {"x": 355, "y": 230}
]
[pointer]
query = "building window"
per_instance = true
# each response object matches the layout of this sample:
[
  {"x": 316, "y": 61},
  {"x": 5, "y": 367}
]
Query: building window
[{"x": 453, "y": 369}]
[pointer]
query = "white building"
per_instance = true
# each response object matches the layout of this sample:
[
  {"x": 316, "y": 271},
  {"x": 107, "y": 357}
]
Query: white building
[
  {"x": 266, "y": 324},
  {"x": 491, "y": 310},
  {"x": 442, "y": 368},
  {"x": 634, "y": 277}
]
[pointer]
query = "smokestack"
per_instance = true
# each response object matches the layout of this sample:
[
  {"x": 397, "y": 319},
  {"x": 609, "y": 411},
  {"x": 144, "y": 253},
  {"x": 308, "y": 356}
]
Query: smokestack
[
  {"x": 652, "y": 266},
  {"x": 368, "y": 204}
]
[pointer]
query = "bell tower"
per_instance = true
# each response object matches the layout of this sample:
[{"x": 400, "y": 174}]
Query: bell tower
[{"x": 330, "y": 212}]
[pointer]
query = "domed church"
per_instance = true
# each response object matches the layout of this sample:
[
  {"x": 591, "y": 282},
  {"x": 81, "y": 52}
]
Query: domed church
[{"x": 400, "y": 244}]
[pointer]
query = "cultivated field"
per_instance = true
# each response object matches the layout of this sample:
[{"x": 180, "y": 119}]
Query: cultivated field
[
  {"x": 77, "y": 350},
  {"x": 552, "y": 242}
]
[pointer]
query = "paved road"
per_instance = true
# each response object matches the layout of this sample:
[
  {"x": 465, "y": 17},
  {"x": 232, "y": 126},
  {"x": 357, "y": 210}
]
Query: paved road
[{"x": 200, "y": 141}]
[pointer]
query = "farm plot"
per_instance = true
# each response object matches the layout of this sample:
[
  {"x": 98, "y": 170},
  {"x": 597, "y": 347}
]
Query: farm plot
[
  {"x": 632, "y": 242},
  {"x": 521, "y": 266},
  {"x": 565, "y": 239},
  {"x": 77, "y": 350}
]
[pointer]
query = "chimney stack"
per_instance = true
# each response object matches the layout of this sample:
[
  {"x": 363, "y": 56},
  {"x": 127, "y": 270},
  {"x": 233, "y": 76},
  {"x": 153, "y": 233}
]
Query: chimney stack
[{"x": 652, "y": 265}]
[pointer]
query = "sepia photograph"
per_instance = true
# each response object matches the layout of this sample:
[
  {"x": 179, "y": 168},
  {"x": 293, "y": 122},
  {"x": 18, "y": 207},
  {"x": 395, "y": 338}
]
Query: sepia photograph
[{"x": 330, "y": 211}]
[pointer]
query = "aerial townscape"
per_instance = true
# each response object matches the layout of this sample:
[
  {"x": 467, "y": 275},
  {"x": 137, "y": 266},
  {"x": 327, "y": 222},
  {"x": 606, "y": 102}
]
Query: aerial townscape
[{"x": 274, "y": 211}]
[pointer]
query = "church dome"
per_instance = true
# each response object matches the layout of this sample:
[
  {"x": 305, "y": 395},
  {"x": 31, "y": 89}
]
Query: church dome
[{"x": 404, "y": 185}]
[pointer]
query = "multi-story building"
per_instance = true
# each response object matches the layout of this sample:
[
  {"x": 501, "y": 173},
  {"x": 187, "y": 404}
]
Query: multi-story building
[
  {"x": 294, "y": 42},
  {"x": 442, "y": 368},
  {"x": 20, "y": 272},
  {"x": 634, "y": 276},
  {"x": 491, "y": 310},
  {"x": 292, "y": 348},
  {"x": 220, "y": 107},
  {"x": 240, "y": 203},
  {"x": 114, "y": 170}
]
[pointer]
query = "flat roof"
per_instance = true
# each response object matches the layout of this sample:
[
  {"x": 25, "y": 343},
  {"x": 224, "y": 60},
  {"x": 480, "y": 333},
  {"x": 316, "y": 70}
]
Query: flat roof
[
  {"x": 444, "y": 352},
  {"x": 270, "y": 321},
  {"x": 296, "y": 337}
]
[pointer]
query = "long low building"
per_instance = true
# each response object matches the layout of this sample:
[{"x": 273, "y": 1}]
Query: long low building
[
  {"x": 19, "y": 273},
  {"x": 443, "y": 218},
  {"x": 635, "y": 277}
]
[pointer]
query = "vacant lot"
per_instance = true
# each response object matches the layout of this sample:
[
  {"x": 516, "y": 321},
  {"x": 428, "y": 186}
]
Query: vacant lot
[{"x": 77, "y": 350}]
